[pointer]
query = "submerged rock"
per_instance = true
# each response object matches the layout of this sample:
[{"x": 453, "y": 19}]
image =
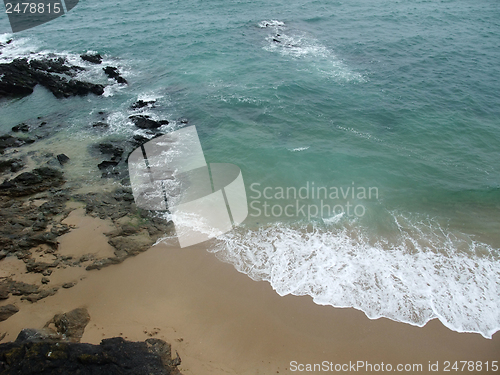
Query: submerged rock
[
  {"x": 100, "y": 125},
  {"x": 21, "y": 128}
]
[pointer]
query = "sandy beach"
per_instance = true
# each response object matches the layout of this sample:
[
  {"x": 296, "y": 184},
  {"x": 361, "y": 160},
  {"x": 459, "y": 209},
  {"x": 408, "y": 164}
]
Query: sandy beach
[{"x": 222, "y": 322}]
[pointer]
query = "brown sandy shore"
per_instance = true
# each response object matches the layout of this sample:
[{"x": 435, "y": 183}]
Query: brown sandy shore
[{"x": 221, "y": 321}]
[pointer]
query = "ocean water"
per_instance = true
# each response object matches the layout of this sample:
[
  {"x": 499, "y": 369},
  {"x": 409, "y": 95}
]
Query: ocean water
[{"x": 386, "y": 112}]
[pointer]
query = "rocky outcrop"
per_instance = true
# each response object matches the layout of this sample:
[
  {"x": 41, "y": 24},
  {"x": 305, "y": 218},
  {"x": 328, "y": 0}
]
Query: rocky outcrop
[
  {"x": 71, "y": 325},
  {"x": 30, "y": 355},
  {"x": 113, "y": 73},
  {"x": 8, "y": 141},
  {"x": 143, "y": 103},
  {"x": 29, "y": 183},
  {"x": 20, "y": 76},
  {"x": 145, "y": 122},
  {"x": 56, "y": 349},
  {"x": 94, "y": 59}
]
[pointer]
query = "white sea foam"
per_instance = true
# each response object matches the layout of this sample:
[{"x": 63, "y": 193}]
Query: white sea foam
[
  {"x": 301, "y": 46},
  {"x": 425, "y": 273},
  {"x": 298, "y": 149},
  {"x": 271, "y": 23},
  {"x": 19, "y": 47}
]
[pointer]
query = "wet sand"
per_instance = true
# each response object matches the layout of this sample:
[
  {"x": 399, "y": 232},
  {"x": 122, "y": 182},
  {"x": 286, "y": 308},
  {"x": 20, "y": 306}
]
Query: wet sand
[{"x": 222, "y": 322}]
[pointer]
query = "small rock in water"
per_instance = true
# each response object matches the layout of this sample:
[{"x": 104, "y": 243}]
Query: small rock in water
[
  {"x": 21, "y": 128},
  {"x": 94, "y": 59},
  {"x": 142, "y": 103},
  {"x": 145, "y": 122},
  {"x": 63, "y": 159}
]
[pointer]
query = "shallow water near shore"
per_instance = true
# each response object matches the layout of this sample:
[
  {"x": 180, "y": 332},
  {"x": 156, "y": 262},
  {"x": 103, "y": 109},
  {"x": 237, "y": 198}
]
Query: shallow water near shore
[{"x": 395, "y": 97}]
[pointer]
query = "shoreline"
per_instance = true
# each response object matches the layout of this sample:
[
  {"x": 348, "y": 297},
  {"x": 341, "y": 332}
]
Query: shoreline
[
  {"x": 221, "y": 321},
  {"x": 89, "y": 246}
]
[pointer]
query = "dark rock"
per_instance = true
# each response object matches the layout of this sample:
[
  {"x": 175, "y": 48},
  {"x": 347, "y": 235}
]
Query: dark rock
[
  {"x": 14, "y": 165},
  {"x": 31, "y": 334},
  {"x": 106, "y": 164},
  {"x": 28, "y": 183},
  {"x": 112, "y": 149},
  {"x": 144, "y": 122},
  {"x": 142, "y": 103},
  {"x": 19, "y": 77},
  {"x": 112, "y": 72},
  {"x": 57, "y": 65},
  {"x": 40, "y": 225},
  {"x": 7, "y": 311},
  {"x": 21, "y": 128},
  {"x": 45, "y": 280},
  {"x": 63, "y": 88},
  {"x": 94, "y": 59},
  {"x": 68, "y": 285},
  {"x": 63, "y": 159},
  {"x": 35, "y": 352},
  {"x": 35, "y": 239},
  {"x": 100, "y": 125},
  {"x": 8, "y": 141}
]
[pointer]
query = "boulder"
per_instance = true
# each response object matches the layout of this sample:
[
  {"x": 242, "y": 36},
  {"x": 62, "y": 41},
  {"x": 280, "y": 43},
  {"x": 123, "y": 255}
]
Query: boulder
[
  {"x": 113, "y": 72},
  {"x": 71, "y": 324},
  {"x": 62, "y": 159},
  {"x": 145, "y": 122},
  {"x": 94, "y": 59}
]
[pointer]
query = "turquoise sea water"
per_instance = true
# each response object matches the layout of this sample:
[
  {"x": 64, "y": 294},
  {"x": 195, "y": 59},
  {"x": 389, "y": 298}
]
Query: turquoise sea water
[{"x": 397, "y": 96}]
